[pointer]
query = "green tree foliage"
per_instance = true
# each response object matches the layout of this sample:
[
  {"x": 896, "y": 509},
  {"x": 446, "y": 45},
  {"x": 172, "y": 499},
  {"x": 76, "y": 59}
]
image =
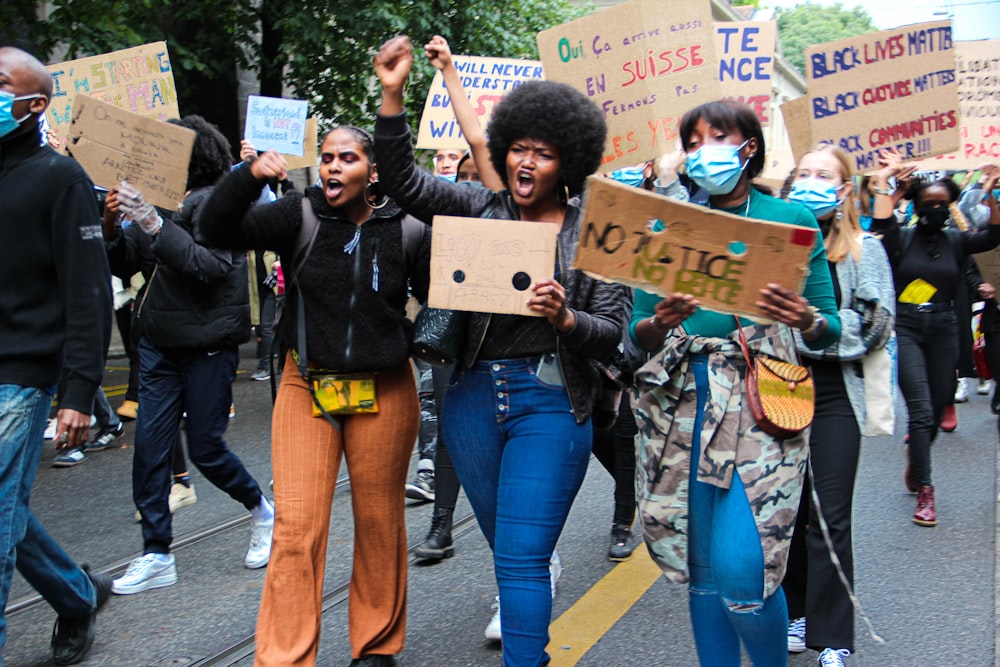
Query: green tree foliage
[
  {"x": 322, "y": 50},
  {"x": 808, "y": 24}
]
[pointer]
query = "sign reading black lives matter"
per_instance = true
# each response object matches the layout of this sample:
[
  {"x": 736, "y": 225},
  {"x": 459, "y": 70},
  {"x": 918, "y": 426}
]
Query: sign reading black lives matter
[{"x": 663, "y": 246}]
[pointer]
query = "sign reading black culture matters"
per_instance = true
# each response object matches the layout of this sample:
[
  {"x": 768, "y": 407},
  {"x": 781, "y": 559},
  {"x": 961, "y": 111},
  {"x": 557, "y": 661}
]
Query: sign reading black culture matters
[
  {"x": 889, "y": 89},
  {"x": 644, "y": 63},
  {"x": 661, "y": 245}
]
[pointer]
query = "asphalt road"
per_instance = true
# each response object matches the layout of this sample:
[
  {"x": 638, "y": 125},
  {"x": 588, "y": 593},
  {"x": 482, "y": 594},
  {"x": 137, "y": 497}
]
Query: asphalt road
[{"x": 930, "y": 592}]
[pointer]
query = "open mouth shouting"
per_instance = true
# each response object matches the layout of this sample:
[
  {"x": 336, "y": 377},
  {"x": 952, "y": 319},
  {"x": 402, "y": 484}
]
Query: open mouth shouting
[
  {"x": 333, "y": 189},
  {"x": 524, "y": 185}
]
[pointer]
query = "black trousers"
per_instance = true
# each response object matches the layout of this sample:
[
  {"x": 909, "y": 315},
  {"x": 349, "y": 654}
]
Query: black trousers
[
  {"x": 615, "y": 448},
  {"x": 928, "y": 352},
  {"x": 812, "y": 585}
]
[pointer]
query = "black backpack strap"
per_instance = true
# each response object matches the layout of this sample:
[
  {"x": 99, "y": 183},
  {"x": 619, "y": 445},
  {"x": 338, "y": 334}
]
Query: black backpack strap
[{"x": 413, "y": 235}]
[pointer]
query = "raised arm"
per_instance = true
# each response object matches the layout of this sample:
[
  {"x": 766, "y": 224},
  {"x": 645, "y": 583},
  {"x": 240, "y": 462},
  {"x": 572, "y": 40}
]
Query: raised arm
[{"x": 439, "y": 53}]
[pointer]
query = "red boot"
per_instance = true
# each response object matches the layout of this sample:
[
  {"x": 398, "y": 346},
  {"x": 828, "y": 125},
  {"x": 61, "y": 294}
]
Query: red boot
[
  {"x": 926, "y": 514},
  {"x": 949, "y": 419}
]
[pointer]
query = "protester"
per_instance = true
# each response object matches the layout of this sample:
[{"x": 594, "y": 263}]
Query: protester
[
  {"x": 55, "y": 316},
  {"x": 438, "y": 544},
  {"x": 927, "y": 262},
  {"x": 194, "y": 315},
  {"x": 818, "y": 601},
  {"x": 521, "y": 452},
  {"x": 717, "y": 496},
  {"x": 361, "y": 242}
]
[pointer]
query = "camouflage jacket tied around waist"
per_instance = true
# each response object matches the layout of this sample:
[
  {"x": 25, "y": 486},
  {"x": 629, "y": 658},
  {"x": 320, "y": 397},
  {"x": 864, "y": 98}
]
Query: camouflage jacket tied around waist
[{"x": 772, "y": 470}]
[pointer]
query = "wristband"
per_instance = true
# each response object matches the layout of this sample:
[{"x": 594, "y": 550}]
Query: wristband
[{"x": 817, "y": 322}]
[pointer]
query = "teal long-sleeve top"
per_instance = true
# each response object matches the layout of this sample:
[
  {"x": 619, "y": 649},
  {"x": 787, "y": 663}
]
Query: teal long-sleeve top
[{"x": 818, "y": 288}]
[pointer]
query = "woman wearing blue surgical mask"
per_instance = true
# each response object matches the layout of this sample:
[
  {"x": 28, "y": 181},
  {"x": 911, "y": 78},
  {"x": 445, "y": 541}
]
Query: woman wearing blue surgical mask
[
  {"x": 818, "y": 601},
  {"x": 718, "y": 496},
  {"x": 928, "y": 263}
]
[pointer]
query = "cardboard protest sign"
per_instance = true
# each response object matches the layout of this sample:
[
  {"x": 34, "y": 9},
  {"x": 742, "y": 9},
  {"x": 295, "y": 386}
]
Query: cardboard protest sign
[
  {"x": 644, "y": 63},
  {"x": 489, "y": 266},
  {"x": 989, "y": 266},
  {"x": 661, "y": 245},
  {"x": 888, "y": 89},
  {"x": 779, "y": 161},
  {"x": 977, "y": 66},
  {"x": 139, "y": 79},
  {"x": 486, "y": 82},
  {"x": 114, "y": 145},
  {"x": 310, "y": 144},
  {"x": 274, "y": 123},
  {"x": 746, "y": 63}
]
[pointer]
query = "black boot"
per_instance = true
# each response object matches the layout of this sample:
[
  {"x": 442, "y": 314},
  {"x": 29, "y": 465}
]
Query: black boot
[{"x": 438, "y": 543}]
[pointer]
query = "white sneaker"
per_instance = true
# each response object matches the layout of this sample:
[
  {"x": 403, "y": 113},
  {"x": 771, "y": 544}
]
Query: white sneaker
[
  {"x": 984, "y": 387},
  {"x": 493, "y": 627},
  {"x": 147, "y": 571},
  {"x": 961, "y": 393},
  {"x": 50, "y": 429},
  {"x": 555, "y": 571},
  {"x": 259, "y": 552},
  {"x": 833, "y": 657},
  {"x": 797, "y": 635},
  {"x": 181, "y": 495}
]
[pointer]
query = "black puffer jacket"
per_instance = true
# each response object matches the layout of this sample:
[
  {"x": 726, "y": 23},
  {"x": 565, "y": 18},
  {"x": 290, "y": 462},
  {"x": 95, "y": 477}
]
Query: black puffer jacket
[
  {"x": 195, "y": 298},
  {"x": 599, "y": 306}
]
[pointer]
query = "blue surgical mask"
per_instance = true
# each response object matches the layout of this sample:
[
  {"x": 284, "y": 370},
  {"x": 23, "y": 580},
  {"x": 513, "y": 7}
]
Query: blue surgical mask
[
  {"x": 7, "y": 121},
  {"x": 818, "y": 196},
  {"x": 716, "y": 168},
  {"x": 634, "y": 176},
  {"x": 448, "y": 177}
]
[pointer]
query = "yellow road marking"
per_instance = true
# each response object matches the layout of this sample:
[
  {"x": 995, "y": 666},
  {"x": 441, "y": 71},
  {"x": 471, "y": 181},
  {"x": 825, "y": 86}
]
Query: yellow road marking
[{"x": 582, "y": 625}]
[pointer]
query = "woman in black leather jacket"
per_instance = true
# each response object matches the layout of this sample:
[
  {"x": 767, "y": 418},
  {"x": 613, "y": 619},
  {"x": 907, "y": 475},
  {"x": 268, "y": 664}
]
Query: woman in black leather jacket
[{"x": 517, "y": 415}]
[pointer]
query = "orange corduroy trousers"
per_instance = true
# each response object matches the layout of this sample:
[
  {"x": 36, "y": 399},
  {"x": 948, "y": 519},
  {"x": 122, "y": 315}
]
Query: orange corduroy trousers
[{"x": 306, "y": 453}]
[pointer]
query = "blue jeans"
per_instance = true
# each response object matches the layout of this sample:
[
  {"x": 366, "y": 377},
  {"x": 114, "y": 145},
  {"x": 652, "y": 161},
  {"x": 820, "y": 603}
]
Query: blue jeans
[
  {"x": 201, "y": 384},
  {"x": 726, "y": 593},
  {"x": 42, "y": 562},
  {"x": 521, "y": 456}
]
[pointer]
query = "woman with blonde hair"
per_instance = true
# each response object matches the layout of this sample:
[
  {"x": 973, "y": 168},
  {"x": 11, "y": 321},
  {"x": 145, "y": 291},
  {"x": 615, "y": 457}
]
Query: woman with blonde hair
[{"x": 818, "y": 601}]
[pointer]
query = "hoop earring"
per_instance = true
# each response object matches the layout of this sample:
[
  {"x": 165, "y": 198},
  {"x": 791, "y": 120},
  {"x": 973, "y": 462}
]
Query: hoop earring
[
  {"x": 562, "y": 196},
  {"x": 372, "y": 194}
]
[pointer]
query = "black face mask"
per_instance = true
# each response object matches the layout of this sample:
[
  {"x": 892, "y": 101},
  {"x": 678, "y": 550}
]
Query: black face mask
[{"x": 932, "y": 219}]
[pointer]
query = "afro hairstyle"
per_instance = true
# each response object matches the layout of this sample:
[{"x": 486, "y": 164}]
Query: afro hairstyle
[
  {"x": 727, "y": 115},
  {"x": 556, "y": 113},
  {"x": 211, "y": 157}
]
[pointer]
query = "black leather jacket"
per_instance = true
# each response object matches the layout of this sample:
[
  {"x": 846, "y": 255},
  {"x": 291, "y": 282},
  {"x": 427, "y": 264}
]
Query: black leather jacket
[{"x": 599, "y": 307}]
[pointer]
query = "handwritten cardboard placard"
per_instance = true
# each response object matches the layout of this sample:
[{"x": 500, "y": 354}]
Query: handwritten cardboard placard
[
  {"x": 889, "y": 89},
  {"x": 977, "y": 66},
  {"x": 114, "y": 145},
  {"x": 486, "y": 82},
  {"x": 644, "y": 63},
  {"x": 989, "y": 266},
  {"x": 310, "y": 145},
  {"x": 746, "y": 63},
  {"x": 489, "y": 266},
  {"x": 139, "y": 79},
  {"x": 274, "y": 123},
  {"x": 661, "y": 245}
]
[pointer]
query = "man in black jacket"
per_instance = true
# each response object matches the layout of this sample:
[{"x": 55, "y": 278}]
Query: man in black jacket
[
  {"x": 192, "y": 317},
  {"x": 55, "y": 306}
]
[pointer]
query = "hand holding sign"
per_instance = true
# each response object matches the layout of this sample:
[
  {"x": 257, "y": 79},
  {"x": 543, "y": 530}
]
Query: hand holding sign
[{"x": 550, "y": 301}]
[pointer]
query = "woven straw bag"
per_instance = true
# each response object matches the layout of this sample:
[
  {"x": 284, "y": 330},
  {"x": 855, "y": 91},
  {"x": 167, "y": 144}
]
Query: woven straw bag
[{"x": 781, "y": 394}]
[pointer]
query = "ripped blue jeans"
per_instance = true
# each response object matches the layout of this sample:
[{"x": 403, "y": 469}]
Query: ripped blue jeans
[{"x": 726, "y": 593}]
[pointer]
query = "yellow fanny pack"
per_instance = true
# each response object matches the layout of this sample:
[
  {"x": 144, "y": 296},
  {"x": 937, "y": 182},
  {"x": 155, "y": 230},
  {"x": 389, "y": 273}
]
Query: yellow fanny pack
[{"x": 343, "y": 393}]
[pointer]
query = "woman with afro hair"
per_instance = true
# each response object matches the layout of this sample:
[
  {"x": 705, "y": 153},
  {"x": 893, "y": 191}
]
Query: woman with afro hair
[
  {"x": 192, "y": 317},
  {"x": 517, "y": 412}
]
